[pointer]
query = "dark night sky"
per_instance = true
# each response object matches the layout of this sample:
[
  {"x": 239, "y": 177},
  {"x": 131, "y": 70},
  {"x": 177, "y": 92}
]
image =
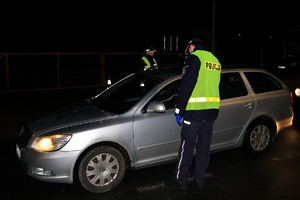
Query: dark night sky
[{"x": 78, "y": 25}]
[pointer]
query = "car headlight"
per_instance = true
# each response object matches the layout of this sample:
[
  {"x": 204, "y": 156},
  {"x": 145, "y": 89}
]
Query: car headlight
[
  {"x": 51, "y": 142},
  {"x": 297, "y": 92}
]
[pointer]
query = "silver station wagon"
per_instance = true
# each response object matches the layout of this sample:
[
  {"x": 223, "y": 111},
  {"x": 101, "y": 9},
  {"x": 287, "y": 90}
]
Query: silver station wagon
[{"x": 131, "y": 125}]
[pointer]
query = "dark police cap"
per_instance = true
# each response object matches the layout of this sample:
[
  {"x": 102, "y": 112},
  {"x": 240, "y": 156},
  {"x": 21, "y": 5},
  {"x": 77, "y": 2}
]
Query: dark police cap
[
  {"x": 195, "y": 40},
  {"x": 150, "y": 48}
]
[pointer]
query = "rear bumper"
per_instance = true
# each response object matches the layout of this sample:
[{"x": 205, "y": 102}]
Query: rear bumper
[{"x": 282, "y": 124}]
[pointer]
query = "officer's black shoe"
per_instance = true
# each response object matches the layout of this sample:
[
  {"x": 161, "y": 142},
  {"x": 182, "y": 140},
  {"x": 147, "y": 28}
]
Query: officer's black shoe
[{"x": 174, "y": 185}]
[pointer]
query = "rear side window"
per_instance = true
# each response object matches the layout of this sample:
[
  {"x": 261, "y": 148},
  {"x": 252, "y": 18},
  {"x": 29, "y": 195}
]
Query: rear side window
[
  {"x": 262, "y": 82},
  {"x": 231, "y": 86}
]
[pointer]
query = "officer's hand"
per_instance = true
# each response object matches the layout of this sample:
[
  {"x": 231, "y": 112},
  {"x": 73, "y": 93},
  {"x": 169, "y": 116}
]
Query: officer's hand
[{"x": 178, "y": 119}]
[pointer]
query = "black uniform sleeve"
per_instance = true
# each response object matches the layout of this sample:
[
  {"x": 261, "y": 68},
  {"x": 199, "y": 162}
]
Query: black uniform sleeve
[
  {"x": 189, "y": 79},
  {"x": 140, "y": 65}
]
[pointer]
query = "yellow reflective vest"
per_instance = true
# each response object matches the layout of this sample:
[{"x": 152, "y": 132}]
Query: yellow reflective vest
[
  {"x": 148, "y": 65},
  {"x": 205, "y": 94}
]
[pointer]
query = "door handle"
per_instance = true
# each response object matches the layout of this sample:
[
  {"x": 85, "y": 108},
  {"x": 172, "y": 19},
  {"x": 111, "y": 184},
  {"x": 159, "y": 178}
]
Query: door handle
[{"x": 248, "y": 105}]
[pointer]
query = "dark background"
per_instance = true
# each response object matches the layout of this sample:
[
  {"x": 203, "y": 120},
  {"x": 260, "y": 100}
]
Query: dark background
[{"x": 242, "y": 29}]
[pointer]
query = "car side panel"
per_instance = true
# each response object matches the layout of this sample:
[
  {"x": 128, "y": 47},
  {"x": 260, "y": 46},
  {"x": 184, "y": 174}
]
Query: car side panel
[
  {"x": 275, "y": 105},
  {"x": 233, "y": 117},
  {"x": 156, "y": 137}
]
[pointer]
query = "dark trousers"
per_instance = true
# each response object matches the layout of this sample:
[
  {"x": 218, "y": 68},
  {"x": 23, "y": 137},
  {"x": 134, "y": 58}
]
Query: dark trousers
[{"x": 194, "y": 134}]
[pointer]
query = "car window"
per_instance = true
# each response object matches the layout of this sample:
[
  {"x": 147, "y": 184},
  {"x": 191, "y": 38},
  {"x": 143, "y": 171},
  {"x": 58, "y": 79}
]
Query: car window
[
  {"x": 262, "y": 82},
  {"x": 232, "y": 85},
  {"x": 168, "y": 95},
  {"x": 122, "y": 96}
]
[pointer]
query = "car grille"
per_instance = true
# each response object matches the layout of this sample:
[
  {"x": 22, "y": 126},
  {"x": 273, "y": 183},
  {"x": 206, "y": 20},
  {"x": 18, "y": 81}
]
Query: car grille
[{"x": 24, "y": 137}]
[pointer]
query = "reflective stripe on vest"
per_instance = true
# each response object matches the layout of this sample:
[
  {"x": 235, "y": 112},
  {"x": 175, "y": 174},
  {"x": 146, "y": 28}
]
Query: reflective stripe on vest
[{"x": 204, "y": 99}]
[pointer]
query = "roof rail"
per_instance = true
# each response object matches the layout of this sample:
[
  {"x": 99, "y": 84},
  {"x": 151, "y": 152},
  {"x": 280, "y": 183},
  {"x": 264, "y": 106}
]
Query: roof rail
[{"x": 233, "y": 66}]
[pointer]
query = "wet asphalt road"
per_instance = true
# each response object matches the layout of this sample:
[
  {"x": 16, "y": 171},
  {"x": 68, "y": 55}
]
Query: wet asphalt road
[{"x": 232, "y": 174}]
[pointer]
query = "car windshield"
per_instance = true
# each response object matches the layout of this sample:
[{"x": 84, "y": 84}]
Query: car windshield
[{"x": 120, "y": 97}]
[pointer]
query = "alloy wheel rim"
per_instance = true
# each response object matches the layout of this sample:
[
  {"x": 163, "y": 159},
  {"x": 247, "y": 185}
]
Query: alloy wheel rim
[
  {"x": 260, "y": 138},
  {"x": 102, "y": 169}
]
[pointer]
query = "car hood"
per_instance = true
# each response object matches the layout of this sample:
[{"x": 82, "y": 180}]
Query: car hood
[{"x": 69, "y": 116}]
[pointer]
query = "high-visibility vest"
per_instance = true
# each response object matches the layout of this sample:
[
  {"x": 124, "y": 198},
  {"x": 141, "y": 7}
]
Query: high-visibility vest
[
  {"x": 148, "y": 65},
  {"x": 205, "y": 94}
]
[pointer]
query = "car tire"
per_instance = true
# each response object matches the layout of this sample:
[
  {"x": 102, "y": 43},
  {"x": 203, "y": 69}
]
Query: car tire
[
  {"x": 101, "y": 169},
  {"x": 258, "y": 137}
]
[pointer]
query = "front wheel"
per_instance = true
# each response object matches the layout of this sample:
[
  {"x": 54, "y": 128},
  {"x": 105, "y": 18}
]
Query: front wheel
[
  {"x": 101, "y": 169},
  {"x": 258, "y": 137}
]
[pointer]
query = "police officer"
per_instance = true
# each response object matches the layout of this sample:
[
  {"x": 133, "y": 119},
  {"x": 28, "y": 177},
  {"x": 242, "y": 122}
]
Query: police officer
[
  {"x": 147, "y": 61},
  {"x": 196, "y": 110}
]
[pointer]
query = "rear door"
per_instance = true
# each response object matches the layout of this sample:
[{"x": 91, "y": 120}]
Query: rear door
[{"x": 237, "y": 106}]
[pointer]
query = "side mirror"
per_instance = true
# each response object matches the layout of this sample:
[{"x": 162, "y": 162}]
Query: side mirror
[{"x": 156, "y": 107}]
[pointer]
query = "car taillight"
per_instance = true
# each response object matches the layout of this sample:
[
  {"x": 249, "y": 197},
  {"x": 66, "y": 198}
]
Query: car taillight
[{"x": 291, "y": 100}]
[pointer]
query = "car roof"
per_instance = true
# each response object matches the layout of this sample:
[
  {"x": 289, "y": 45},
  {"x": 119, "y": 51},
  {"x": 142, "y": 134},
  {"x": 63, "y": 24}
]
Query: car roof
[
  {"x": 163, "y": 73},
  {"x": 170, "y": 71},
  {"x": 242, "y": 67}
]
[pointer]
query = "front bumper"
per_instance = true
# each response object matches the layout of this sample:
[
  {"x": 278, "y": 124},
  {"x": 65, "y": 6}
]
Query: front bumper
[{"x": 60, "y": 164}]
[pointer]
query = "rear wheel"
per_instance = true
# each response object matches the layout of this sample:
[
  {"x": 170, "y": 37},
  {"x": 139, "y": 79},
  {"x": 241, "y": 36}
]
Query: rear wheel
[
  {"x": 101, "y": 169},
  {"x": 258, "y": 137}
]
